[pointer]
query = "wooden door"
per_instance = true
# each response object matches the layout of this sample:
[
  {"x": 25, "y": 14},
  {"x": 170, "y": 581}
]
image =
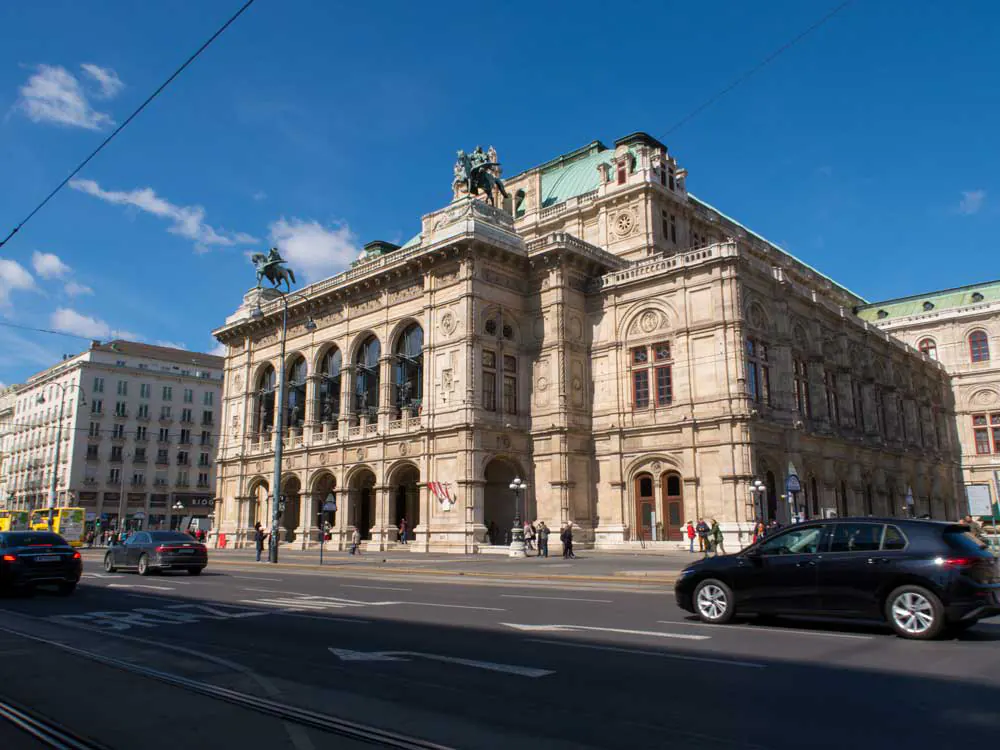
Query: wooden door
[
  {"x": 645, "y": 505},
  {"x": 673, "y": 505}
]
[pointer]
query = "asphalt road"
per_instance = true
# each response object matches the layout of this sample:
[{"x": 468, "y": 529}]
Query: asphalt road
[{"x": 478, "y": 664}]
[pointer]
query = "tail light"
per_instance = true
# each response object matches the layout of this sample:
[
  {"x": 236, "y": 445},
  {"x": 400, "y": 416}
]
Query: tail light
[
  {"x": 955, "y": 562},
  {"x": 76, "y": 555},
  {"x": 161, "y": 549},
  {"x": 10, "y": 558}
]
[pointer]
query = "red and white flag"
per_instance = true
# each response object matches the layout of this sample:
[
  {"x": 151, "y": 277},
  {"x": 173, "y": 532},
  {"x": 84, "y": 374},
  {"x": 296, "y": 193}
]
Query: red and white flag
[{"x": 442, "y": 491}]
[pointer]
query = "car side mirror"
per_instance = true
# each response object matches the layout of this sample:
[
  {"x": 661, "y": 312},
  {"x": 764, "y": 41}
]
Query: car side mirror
[{"x": 753, "y": 554}]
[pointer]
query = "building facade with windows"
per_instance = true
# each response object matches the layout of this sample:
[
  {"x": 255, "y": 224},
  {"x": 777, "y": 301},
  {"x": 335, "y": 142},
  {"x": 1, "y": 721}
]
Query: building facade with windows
[
  {"x": 633, "y": 354},
  {"x": 960, "y": 328},
  {"x": 139, "y": 434}
]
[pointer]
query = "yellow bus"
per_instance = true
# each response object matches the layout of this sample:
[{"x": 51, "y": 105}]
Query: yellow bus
[
  {"x": 14, "y": 520},
  {"x": 67, "y": 522}
]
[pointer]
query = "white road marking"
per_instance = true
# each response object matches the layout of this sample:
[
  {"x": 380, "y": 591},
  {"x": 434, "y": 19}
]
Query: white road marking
[
  {"x": 348, "y": 655},
  {"x": 752, "y": 628},
  {"x": 448, "y": 606},
  {"x": 148, "y": 617},
  {"x": 623, "y": 631},
  {"x": 376, "y": 588},
  {"x": 555, "y": 598},
  {"x": 102, "y": 575},
  {"x": 256, "y": 578},
  {"x": 657, "y": 654},
  {"x": 139, "y": 586},
  {"x": 324, "y": 618}
]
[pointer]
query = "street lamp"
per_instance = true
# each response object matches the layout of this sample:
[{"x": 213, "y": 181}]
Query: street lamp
[
  {"x": 517, "y": 486},
  {"x": 758, "y": 489},
  {"x": 53, "y": 487},
  {"x": 276, "y": 505}
]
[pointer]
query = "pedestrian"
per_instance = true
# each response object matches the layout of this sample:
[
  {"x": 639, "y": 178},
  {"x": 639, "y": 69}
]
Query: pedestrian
[
  {"x": 402, "y": 530},
  {"x": 543, "y": 539},
  {"x": 716, "y": 536},
  {"x": 702, "y": 529},
  {"x": 529, "y": 537},
  {"x": 566, "y": 537},
  {"x": 493, "y": 532},
  {"x": 258, "y": 539},
  {"x": 690, "y": 535},
  {"x": 356, "y": 542}
]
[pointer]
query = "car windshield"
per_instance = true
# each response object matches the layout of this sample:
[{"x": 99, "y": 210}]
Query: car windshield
[
  {"x": 33, "y": 539},
  {"x": 169, "y": 536},
  {"x": 966, "y": 542}
]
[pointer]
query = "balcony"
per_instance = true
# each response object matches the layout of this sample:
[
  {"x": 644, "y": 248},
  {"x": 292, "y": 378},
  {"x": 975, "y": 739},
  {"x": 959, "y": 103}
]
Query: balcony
[
  {"x": 141, "y": 439},
  {"x": 93, "y": 457},
  {"x": 121, "y": 413},
  {"x": 90, "y": 480},
  {"x": 183, "y": 483},
  {"x": 115, "y": 459},
  {"x": 204, "y": 464},
  {"x": 183, "y": 462},
  {"x": 166, "y": 419},
  {"x": 139, "y": 460},
  {"x": 187, "y": 420},
  {"x": 160, "y": 482},
  {"x": 97, "y": 415},
  {"x": 141, "y": 417},
  {"x": 203, "y": 485},
  {"x": 118, "y": 438},
  {"x": 138, "y": 482},
  {"x": 162, "y": 461}
]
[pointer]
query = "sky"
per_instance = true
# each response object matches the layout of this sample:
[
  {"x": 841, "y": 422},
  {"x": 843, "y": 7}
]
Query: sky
[{"x": 867, "y": 150}]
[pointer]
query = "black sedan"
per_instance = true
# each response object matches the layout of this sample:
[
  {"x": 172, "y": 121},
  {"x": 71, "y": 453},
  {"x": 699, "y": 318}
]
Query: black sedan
[
  {"x": 35, "y": 558},
  {"x": 921, "y": 577},
  {"x": 149, "y": 551}
]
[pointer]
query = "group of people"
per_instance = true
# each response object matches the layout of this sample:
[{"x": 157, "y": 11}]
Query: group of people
[
  {"x": 111, "y": 537},
  {"x": 536, "y": 538},
  {"x": 711, "y": 540}
]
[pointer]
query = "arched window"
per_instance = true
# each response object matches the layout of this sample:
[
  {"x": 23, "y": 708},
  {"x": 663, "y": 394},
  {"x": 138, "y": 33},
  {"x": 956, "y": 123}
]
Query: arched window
[
  {"x": 519, "y": 207},
  {"x": 296, "y": 413},
  {"x": 979, "y": 346},
  {"x": 330, "y": 383},
  {"x": 928, "y": 347},
  {"x": 264, "y": 390},
  {"x": 408, "y": 368},
  {"x": 366, "y": 378}
]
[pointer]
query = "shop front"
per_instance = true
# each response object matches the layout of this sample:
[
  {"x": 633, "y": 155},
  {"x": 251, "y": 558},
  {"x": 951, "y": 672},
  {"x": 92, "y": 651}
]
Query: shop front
[{"x": 191, "y": 511}]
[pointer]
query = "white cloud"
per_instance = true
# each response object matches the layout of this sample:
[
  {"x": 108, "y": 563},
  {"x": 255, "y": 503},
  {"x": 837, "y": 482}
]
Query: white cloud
[
  {"x": 13, "y": 277},
  {"x": 186, "y": 221},
  {"x": 171, "y": 344},
  {"x": 972, "y": 201},
  {"x": 219, "y": 350},
  {"x": 53, "y": 94},
  {"x": 111, "y": 85},
  {"x": 75, "y": 289},
  {"x": 49, "y": 265},
  {"x": 259, "y": 196},
  {"x": 70, "y": 321},
  {"x": 314, "y": 250}
]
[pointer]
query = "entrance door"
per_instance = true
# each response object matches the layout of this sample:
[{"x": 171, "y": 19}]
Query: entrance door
[
  {"x": 645, "y": 506},
  {"x": 365, "y": 513},
  {"x": 670, "y": 486}
]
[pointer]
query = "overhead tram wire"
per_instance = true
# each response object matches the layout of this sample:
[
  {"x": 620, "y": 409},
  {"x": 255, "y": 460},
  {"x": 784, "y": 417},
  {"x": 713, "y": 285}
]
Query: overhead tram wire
[
  {"x": 129, "y": 119},
  {"x": 756, "y": 68}
]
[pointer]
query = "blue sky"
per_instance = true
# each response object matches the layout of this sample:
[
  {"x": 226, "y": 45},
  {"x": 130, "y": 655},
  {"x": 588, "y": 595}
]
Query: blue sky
[{"x": 868, "y": 150}]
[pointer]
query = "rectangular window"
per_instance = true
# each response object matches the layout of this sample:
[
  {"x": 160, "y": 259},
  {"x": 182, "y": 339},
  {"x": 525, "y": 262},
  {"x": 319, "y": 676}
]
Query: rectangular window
[
  {"x": 164, "y": 435},
  {"x": 489, "y": 380},
  {"x": 206, "y": 437},
  {"x": 622, "y": 174},
  {"x": 985, "y": 428},
  {"x": 671, "y": 182},
  {"x": 144, "y": 390},
  {"x": 665, "y": 225},
  {"x": 800, "y": 377},
  {"x": 140, "y": 434},
  {"x": 673, "y": 229},
  {"x": 182, "y": 458},
  {"x": 758, "y": 372},
  {"x": 901, "y": 419},
  {"x": 115, "y": 475},
  {"x": 207, "y": 417},
  {"x": 118, "y": 432},
  {"x": 203, "y": 459},
  {"x": 832, "y": 398},
  {"x": 164, "y": 412},
  {"x": 138, "y": 477},
  {"x": 168, "y": 393},
  {"x": 203, "y": 479},
  {"x": 122, "y": 387},
  {"x": 143, "y": 412},
  {"x": 116, "y": 453},
  {"x": 120, "y": 409},
  {"x": 182, "y": 479},
  {"x": 186, "y": 415},
  {"x": 91, "y": 452},
  {"x": 209, "y": 398},
  {"x": 95, "y": 430},
  {"x": 664, "y": 387},
  {"x": 161, "y": 456},
  {"x": 640, "y": 388},
  {"x": 185, "y": 437},
  {"x": 96, "y": 406},
  {"x": 509, "y": 394},
  {"x": 188, "y": 396},
  {"x": 859, "y": 404},
  {"x": 98, "y": 385}
]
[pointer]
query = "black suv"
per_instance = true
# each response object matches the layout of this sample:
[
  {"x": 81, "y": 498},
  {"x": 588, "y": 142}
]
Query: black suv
[{"x": 919, "y": 576}]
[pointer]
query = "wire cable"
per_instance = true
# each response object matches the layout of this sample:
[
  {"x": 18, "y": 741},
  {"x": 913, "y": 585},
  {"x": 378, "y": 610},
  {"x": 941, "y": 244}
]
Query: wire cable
[
  {"x": 755, "y": 69},
  {"x": 131, "y": 117}
]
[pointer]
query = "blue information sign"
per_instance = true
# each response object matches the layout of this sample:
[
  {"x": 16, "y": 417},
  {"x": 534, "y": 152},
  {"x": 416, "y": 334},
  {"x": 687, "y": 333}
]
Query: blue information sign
[{"x": 792, "y": 484}]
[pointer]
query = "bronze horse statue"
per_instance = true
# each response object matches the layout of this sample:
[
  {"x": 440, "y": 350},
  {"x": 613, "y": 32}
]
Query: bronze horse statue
[
  {"x": 476, "y": 172},
  {"x": 272, "y": 267}
]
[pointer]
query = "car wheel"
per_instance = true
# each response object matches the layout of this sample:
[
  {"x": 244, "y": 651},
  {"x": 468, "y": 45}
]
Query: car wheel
[
  {"x": 713, "y": 601},
  {"x": 144, "y": 569},
  {"x": 65, "y": 589},
  {"x": 195, "y": 571},
  {"x": 109, "y": 562},
  {"x": 915, "y": 612}
]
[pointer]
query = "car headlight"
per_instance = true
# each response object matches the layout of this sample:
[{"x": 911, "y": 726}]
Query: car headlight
[{"x": 686, "y": 572}]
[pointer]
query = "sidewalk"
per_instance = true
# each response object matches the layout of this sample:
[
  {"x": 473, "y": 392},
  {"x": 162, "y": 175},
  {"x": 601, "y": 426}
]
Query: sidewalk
[{"x": 592, "y": 565}]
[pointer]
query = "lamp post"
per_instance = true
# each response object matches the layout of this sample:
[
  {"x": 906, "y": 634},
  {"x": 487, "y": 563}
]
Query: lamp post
[
  {"x": 758, "y": 489},
  {"x": 53, "y": 486},
  {"x": 517, "y": 486},
  {"x": 277, "y": 504},
  {"x": 177, "y": 507}
]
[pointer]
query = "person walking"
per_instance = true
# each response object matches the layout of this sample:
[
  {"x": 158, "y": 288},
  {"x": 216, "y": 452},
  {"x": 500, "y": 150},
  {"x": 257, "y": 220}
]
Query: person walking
[
  {"x": 402, "y": 530},
  {"x": 356, "y": 542},
  {"x": 529, "y": 537},
  {"x": 702, "y": 529},
  {"x": 566, "y": 537},
  {"x": 543, "y": 539},
  {"x": 716, "y": 536},
  {"x": 258, "y": 539},
  {"x": 690, "y": 535}
]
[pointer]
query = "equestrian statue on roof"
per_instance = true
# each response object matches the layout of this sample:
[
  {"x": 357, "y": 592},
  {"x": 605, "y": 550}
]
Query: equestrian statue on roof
[
  {"x": 273, "y": 268},
  {"x": 478, "y": 171}
]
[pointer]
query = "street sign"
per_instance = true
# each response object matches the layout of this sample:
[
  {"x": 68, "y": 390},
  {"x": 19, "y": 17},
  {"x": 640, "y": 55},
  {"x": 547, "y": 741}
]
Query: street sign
[
  {"x": 330, "y": 506},
  {"x": 792, "y": 484},
  {"x": 980, "y": 503}
]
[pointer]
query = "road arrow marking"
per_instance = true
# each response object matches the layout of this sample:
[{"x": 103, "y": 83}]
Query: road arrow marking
[
  {"x": 576, "y": 628},
  {"x": 348, "y": 655}
]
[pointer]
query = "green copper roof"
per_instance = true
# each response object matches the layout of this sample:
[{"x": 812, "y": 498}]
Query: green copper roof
[
  {"x": 573, "y": 175},
  {"x": 415, "y": 240},
  {"x": 918, "y": 304}
]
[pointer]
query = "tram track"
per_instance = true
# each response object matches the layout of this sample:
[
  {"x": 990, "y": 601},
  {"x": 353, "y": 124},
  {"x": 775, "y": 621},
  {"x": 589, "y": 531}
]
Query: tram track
[{"x": 52, "y": 734}]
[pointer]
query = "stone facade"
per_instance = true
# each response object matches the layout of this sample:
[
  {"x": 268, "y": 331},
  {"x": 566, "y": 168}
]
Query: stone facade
[
  {"x": 632, "y": 353},
  {"x": 960, "y": 328}
]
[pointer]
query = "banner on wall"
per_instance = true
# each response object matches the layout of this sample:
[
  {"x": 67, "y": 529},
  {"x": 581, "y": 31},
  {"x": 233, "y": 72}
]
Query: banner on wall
[{"x": 442, "y": 491}]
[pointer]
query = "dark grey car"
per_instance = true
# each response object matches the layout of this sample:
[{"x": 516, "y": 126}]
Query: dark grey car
[{"x": 149, "y": 551}]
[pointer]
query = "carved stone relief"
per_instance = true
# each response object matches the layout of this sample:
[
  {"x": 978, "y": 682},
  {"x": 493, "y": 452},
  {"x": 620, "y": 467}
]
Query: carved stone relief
[
  {"x": 647, "y": 322},
  {"x": 448, "y": 322}
]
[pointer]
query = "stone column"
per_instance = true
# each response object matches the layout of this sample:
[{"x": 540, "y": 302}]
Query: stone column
[
  {"x": 383, "y": 533},
  {"x": 307, "y": 521},
  {"x": 311, "y": 427},
  {"x": 346, "y": 399},
  {"x": 384, "y": 392}
]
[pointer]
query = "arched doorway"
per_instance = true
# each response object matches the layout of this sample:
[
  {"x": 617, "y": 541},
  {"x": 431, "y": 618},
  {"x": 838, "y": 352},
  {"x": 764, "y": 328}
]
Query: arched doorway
[
  {"x": 330, "y": 383},
  {"x": 366, "y": 378},
  {"x": 324, "y": 489},
  {"x": 264, "y": 390},
  {"x": 361, "y": 514},
  {"x": 498, "y": 500},
  {"x": 772, "y": 497},
  {"x": 291, "y": 490},
  {"x": 257, "y": 512},
  {"x": 404, "y": 500},
  {"x": 673, "y": 506},
  {"x": 296, "y": 374},
  {"x": 408, "y": 370},
  {"x": 645, "y": 505}
]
